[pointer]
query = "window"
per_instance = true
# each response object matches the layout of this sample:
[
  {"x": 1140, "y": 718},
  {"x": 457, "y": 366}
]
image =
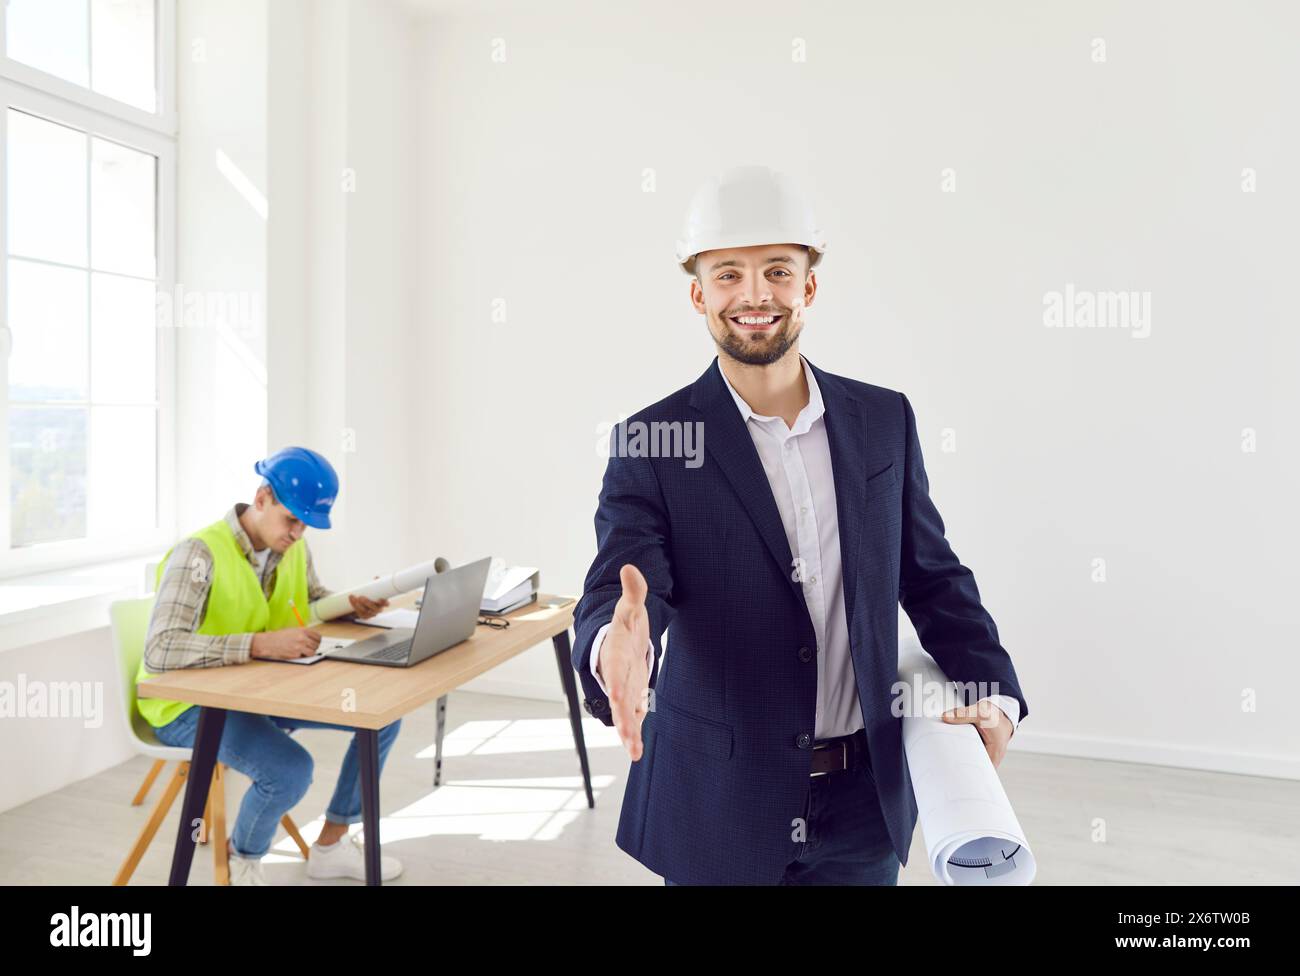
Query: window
[
  {"x": 105, "y": 46},
  {"x": 86, "y": 174}
]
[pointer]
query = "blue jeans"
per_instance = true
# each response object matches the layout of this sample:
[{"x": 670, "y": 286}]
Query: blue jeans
[
  {"x": 846, "y": 840},
  {"x": 259, "y": 746}
]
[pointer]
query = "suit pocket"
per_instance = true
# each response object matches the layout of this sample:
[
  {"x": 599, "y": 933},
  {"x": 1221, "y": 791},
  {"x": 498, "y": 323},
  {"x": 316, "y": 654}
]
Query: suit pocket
[
  {"x": 881, "y": 480},
  {"x": 711, "y": 738}
]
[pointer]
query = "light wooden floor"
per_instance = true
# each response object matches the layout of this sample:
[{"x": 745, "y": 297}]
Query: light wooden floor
[{"x": 511, "y": 811}]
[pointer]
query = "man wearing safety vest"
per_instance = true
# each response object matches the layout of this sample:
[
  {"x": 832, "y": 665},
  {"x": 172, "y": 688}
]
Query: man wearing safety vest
[{"x": 234, "y": 591}]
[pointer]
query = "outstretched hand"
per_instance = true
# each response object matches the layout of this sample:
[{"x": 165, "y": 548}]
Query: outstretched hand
[{"x": 622, "y": 663}]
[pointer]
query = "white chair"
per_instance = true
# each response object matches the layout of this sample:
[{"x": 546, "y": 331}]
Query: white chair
[{"x": 130, "y": 620}]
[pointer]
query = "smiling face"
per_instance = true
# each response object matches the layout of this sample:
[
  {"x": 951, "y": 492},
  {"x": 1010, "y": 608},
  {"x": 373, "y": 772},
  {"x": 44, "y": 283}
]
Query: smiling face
[{"x": 753, "y": 299}]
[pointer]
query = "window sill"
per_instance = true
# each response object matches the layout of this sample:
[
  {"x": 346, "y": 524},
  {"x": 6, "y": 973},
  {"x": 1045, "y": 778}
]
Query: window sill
[{"x": 47, "y": 606}]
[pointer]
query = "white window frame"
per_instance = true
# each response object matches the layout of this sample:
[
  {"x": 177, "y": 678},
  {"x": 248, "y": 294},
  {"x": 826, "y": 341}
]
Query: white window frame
[{"x": 38, "y": 93}]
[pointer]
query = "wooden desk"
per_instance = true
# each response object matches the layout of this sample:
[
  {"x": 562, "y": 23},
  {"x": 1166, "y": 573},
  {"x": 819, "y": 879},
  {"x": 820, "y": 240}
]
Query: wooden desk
[{"x": 363, "y": 696}]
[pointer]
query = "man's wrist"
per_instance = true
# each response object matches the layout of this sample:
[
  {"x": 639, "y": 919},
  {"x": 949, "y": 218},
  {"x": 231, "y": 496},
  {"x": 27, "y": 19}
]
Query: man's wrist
[{"x": 594, "y": 665}]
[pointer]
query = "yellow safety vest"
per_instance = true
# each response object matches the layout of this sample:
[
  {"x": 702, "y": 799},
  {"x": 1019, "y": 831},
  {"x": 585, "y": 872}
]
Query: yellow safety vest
[{"x": 236, "y": 604}]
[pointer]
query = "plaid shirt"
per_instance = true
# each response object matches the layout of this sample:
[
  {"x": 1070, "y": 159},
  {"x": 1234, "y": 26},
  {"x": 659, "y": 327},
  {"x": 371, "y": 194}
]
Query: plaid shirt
[{"x": 182, "y": 602}]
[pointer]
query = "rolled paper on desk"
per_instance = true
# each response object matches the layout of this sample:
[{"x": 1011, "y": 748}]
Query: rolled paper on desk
[
  {"x": 972, "y": 836},
  {"x": 384, "y": 588}
]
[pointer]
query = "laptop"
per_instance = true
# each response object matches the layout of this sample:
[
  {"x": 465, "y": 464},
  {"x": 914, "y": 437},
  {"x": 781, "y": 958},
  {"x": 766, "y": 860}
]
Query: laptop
[{"x": 448, "y": 615}]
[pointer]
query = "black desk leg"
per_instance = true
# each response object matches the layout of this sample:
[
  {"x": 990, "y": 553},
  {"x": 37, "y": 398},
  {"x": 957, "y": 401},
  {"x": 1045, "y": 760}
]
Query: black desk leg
[
  {"x": 437, "y": 748},
  {"x": 368, "y": 748},
  {"x": 207, "y": 739},
  {"x": 564, "y": 658}
]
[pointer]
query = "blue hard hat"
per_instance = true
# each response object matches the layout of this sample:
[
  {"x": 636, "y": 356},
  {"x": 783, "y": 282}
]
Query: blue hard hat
[{"x": 304, "y": 483}]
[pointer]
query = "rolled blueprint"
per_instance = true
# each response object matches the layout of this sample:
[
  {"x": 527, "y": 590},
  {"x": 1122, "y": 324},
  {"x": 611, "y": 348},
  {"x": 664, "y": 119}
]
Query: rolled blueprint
[
  {"x": 971, "y": 834},
  {"x": 384, "y": 588}
]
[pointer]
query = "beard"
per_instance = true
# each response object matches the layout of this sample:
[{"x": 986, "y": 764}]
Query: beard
[{"x": 757, "y": 348}]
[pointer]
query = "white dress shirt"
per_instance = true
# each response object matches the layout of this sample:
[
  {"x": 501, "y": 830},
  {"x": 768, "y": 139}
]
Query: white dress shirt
[{"x": 797, "y": 461}]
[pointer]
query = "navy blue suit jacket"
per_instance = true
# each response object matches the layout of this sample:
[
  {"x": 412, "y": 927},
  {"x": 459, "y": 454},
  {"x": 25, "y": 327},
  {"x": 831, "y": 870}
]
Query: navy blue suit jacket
[{"x": 727, "y": 743}]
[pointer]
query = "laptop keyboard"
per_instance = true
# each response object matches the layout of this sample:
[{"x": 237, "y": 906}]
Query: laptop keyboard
[{"x": 396, "y": 652}]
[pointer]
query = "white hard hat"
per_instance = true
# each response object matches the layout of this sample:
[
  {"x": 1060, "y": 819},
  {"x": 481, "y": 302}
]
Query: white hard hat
[{"x": 744, "y": 206}]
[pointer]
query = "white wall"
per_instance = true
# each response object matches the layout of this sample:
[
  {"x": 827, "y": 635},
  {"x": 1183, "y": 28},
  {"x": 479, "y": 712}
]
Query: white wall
[
  {"x": 221, "y": 251},
  {"x": 323, "y": 98},
  {"x": 40, "y": 754},
  {"x": 342, "y": 97},
  {"x": 384, "y": 419},
  {"x": 1071, "y": 444}
]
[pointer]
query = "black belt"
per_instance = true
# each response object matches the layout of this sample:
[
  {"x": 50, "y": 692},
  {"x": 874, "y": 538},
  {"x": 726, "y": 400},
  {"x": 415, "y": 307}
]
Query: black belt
[{"x": 840, "y": 753}]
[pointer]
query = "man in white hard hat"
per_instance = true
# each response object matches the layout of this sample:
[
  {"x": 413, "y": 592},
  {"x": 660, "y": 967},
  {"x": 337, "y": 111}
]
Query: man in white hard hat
[{"x": 764, "y": 749}]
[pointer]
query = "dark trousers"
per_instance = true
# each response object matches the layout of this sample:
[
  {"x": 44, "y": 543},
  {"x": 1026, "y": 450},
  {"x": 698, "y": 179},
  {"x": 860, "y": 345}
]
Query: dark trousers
[{"x": 845, "y": 840}]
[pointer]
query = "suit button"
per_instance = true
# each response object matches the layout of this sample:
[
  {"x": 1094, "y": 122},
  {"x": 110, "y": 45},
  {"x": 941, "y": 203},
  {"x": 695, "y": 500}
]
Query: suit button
[
  {"x": 594, "y": 706},
  {"x": 803, "y": 740},
  {"x": 805, "y": 655}
]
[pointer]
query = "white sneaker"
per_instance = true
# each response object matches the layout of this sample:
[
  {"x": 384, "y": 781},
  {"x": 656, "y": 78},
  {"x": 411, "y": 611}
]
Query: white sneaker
[
  {"x": 246, "y": 871},
  {"x": 346, "y": 858}
]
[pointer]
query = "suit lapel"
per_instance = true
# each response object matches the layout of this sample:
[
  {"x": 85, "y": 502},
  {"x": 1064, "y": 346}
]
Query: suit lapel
[
  {"x": 729, "y": 443},
  {"x": 846, "y": 435}
]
